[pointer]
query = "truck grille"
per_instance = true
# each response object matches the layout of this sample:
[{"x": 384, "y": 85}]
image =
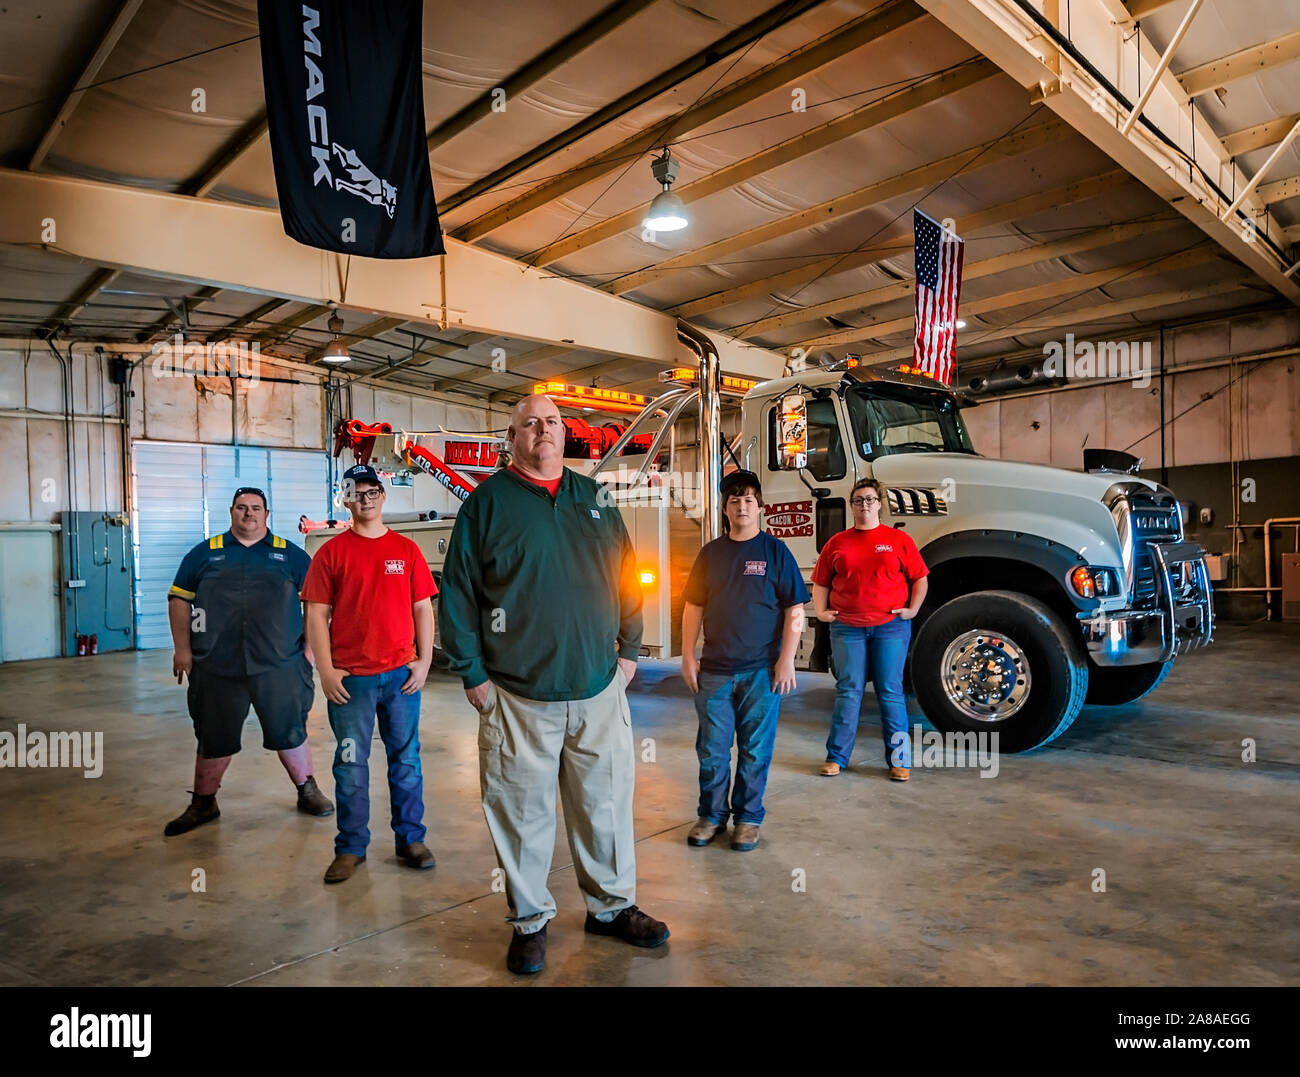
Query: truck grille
[{"x": 1155, "y": 519}]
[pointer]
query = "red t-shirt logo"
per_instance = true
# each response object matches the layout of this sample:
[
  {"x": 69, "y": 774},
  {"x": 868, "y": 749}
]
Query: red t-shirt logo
[{"x": 395, "y": 568}]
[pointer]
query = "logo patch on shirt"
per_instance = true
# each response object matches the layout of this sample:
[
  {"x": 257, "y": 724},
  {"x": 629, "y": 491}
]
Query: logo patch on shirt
[
  {"x": 277, "y": 556},
  {"x": 595, "y": 513},
  {"x": 394, "y": 568},
  {"x": 755, "y": 568},
  {"x": 884, "y": 547}
]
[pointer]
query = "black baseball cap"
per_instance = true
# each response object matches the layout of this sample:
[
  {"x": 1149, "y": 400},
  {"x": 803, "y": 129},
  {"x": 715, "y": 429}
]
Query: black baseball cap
[
  {"x": 362, "y": 473},
  {"x": 737, "y": 482}
]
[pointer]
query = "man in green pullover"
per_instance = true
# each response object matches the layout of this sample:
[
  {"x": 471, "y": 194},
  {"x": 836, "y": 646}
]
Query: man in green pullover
[{"x": 540, "y": 615}]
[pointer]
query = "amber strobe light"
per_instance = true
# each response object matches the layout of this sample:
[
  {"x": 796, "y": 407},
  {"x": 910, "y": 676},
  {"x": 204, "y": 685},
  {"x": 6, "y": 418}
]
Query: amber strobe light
[
  {"x": 584, "y": 396},
  {"x": 732, "y": 384}
]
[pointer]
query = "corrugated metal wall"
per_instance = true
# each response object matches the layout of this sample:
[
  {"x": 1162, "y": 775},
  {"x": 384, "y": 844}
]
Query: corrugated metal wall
[{"x": 182, "y": 496}]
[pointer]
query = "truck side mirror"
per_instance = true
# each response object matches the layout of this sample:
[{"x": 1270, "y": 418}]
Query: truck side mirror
[{"x": 793, "y": 450}]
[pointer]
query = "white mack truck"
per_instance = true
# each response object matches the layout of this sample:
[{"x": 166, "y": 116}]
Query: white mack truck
[{"x": 1048, "y": 588}]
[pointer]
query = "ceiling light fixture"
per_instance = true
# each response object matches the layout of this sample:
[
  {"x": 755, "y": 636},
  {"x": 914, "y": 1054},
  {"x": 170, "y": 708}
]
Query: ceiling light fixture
[
  {"x": 667, "y": 213},
  {"x": 961, "y": 324},
  {"x": 336, "y": 352}
]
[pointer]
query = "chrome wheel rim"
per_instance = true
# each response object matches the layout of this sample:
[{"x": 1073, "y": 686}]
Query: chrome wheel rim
[{"x": 986, "y": 675}]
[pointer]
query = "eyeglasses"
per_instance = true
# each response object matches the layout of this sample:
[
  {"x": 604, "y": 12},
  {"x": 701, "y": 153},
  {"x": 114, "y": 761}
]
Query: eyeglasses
[
  {"x": 367, "y": 496},
  {"x": 858, "y": 502}
]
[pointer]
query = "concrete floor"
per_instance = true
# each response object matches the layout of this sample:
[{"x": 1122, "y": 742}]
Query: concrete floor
[{"x": 951, "y": 879}]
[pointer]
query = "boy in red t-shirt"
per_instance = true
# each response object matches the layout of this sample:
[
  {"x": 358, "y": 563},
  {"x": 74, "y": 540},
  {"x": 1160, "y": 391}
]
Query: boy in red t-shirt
[
  {"x": 868, "y": 584},
  {"x": 370, "y": 625}
]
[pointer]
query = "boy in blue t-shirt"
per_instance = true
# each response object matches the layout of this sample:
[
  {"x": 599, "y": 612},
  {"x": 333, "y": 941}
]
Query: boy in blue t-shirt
[{"x": 747, "y": 590}]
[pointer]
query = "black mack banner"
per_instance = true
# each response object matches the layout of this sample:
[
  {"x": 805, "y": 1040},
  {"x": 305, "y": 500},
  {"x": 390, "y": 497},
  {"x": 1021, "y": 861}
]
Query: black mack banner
[{"x": 345, "y": 108}]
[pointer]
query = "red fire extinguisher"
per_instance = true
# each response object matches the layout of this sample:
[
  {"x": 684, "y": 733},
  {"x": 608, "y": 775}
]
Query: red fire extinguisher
[
  {"x": 82, "y": 645},
  {"x": 94, "y": 645}
]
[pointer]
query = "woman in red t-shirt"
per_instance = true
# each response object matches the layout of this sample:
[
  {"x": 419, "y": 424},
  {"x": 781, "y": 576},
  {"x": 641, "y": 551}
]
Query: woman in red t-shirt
[{"x": 868, "y": 585}]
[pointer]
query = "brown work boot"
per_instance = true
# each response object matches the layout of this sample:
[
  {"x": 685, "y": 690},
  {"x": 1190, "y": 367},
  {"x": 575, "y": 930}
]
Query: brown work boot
[
  {"x": 342, "y": 867},
  {"x": 744, "y": 837},
  {"x": 899, "y": 774},
  {"x": 527, "y": 953},
  {"x": 312, "y": 801},
  {"x": 416, "y": 855},
  {"x": 830, "y": 769},
  {"x": 632, "y": 926},
  {"x": 202, "y": 809},
  {"x": 704, "y": 832}
]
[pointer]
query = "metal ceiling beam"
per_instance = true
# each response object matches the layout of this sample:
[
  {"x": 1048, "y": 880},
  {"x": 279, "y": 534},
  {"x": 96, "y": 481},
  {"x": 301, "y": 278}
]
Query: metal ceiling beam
[
  {"x": 1280, "y": 190},
  {"x": 893, "y": 242},
  {"x": 1096, "y": 87},
  {"x": 225, "y": 245},
  {"x": 1075, "y": 286},
  {"x": 845, "y": 205},
  {"x": 1002, "y": 263},
  {"x": 107, "y": 42},
  {"x": 586, "y": 35},
  {"x": 253, "y": 317},
  {"x": 550, "y": 351},
  {"x": 1260, "y": 135},
  {"x": 1261, "y": 172},
  {"x": 102, "y": 279},
  {"x": 252, "y": 134},
  {"x": 1239, "y": 65},
  {"x": 801, "y": 145},
  {"x": 283, "y": 329},
  {"x": 831, "y": 46},
  {"x": 1153, "y": 83},
  {"x": 1078, "y": 321},
  {"x": 719, "y": 50},
  {"x": 1140, "y": 9},
  {"x": 188, "y": 304}
]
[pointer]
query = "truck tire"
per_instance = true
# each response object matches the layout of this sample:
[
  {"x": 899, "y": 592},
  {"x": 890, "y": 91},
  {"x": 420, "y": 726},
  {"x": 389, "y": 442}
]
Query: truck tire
[
  {"x": 1113, "y": 685},
  {"x": 1032, "y": 672}
]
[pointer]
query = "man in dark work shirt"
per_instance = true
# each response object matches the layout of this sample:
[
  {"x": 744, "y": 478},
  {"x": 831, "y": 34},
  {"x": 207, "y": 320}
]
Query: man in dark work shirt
[{"x": 236, "y": 623}]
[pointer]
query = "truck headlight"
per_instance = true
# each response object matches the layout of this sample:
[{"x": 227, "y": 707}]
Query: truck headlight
[{"x": 1089, "y": 582}]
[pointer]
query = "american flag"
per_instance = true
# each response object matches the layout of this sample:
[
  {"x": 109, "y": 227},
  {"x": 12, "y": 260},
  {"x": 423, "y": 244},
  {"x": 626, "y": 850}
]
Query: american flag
[{"x": 939, "y": 256}]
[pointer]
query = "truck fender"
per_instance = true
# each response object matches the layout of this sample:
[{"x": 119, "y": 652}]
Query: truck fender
[{"x": 1052, "y": 557}]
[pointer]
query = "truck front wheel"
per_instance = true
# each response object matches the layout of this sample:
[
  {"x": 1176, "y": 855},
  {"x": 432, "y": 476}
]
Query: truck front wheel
[
  {"x": 1112, "y": 685},
  {"x": 999, "y": 662}
]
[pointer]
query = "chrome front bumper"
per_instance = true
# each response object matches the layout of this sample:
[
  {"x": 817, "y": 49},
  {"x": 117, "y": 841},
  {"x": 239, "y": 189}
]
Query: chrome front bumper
[{"x": 1182, "y": 618}]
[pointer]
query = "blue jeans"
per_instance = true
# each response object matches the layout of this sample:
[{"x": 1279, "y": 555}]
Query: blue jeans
[
  {"x": 878, "y": 651},
  {"x": 353, "y": 723},
  {"x": 744, "y": 707}
]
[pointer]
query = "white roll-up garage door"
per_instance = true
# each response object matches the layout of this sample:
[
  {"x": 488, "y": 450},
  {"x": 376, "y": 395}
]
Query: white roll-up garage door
[{"x": 182, "y": 495}]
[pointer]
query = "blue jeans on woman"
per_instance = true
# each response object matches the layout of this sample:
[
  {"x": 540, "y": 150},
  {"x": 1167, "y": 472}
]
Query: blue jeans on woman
[
  {"x": 744, "y": 707},
  {"x": 878, "y": 651},
  {"x": 353, "y": 722}
]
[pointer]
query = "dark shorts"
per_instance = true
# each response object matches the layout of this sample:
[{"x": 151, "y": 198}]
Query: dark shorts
[{"x": 219, "y": 707}]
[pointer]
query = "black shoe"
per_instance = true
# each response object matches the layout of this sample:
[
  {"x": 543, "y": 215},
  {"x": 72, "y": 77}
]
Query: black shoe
[
  {"x": 312, "y": 801},
  {"x": 202, "y": 809},
  {"x": 632, "y": 926},
  {"x": 527, "y": 953},
  {"x": 416, "y": 855}
]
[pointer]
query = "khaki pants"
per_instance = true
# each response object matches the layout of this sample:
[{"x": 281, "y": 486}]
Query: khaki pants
[{"x": 524, "y": 746}]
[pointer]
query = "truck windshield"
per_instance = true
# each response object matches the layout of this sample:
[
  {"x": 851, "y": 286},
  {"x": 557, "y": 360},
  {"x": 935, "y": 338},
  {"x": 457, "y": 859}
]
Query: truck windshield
[{"x": 889, "y": 419}]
